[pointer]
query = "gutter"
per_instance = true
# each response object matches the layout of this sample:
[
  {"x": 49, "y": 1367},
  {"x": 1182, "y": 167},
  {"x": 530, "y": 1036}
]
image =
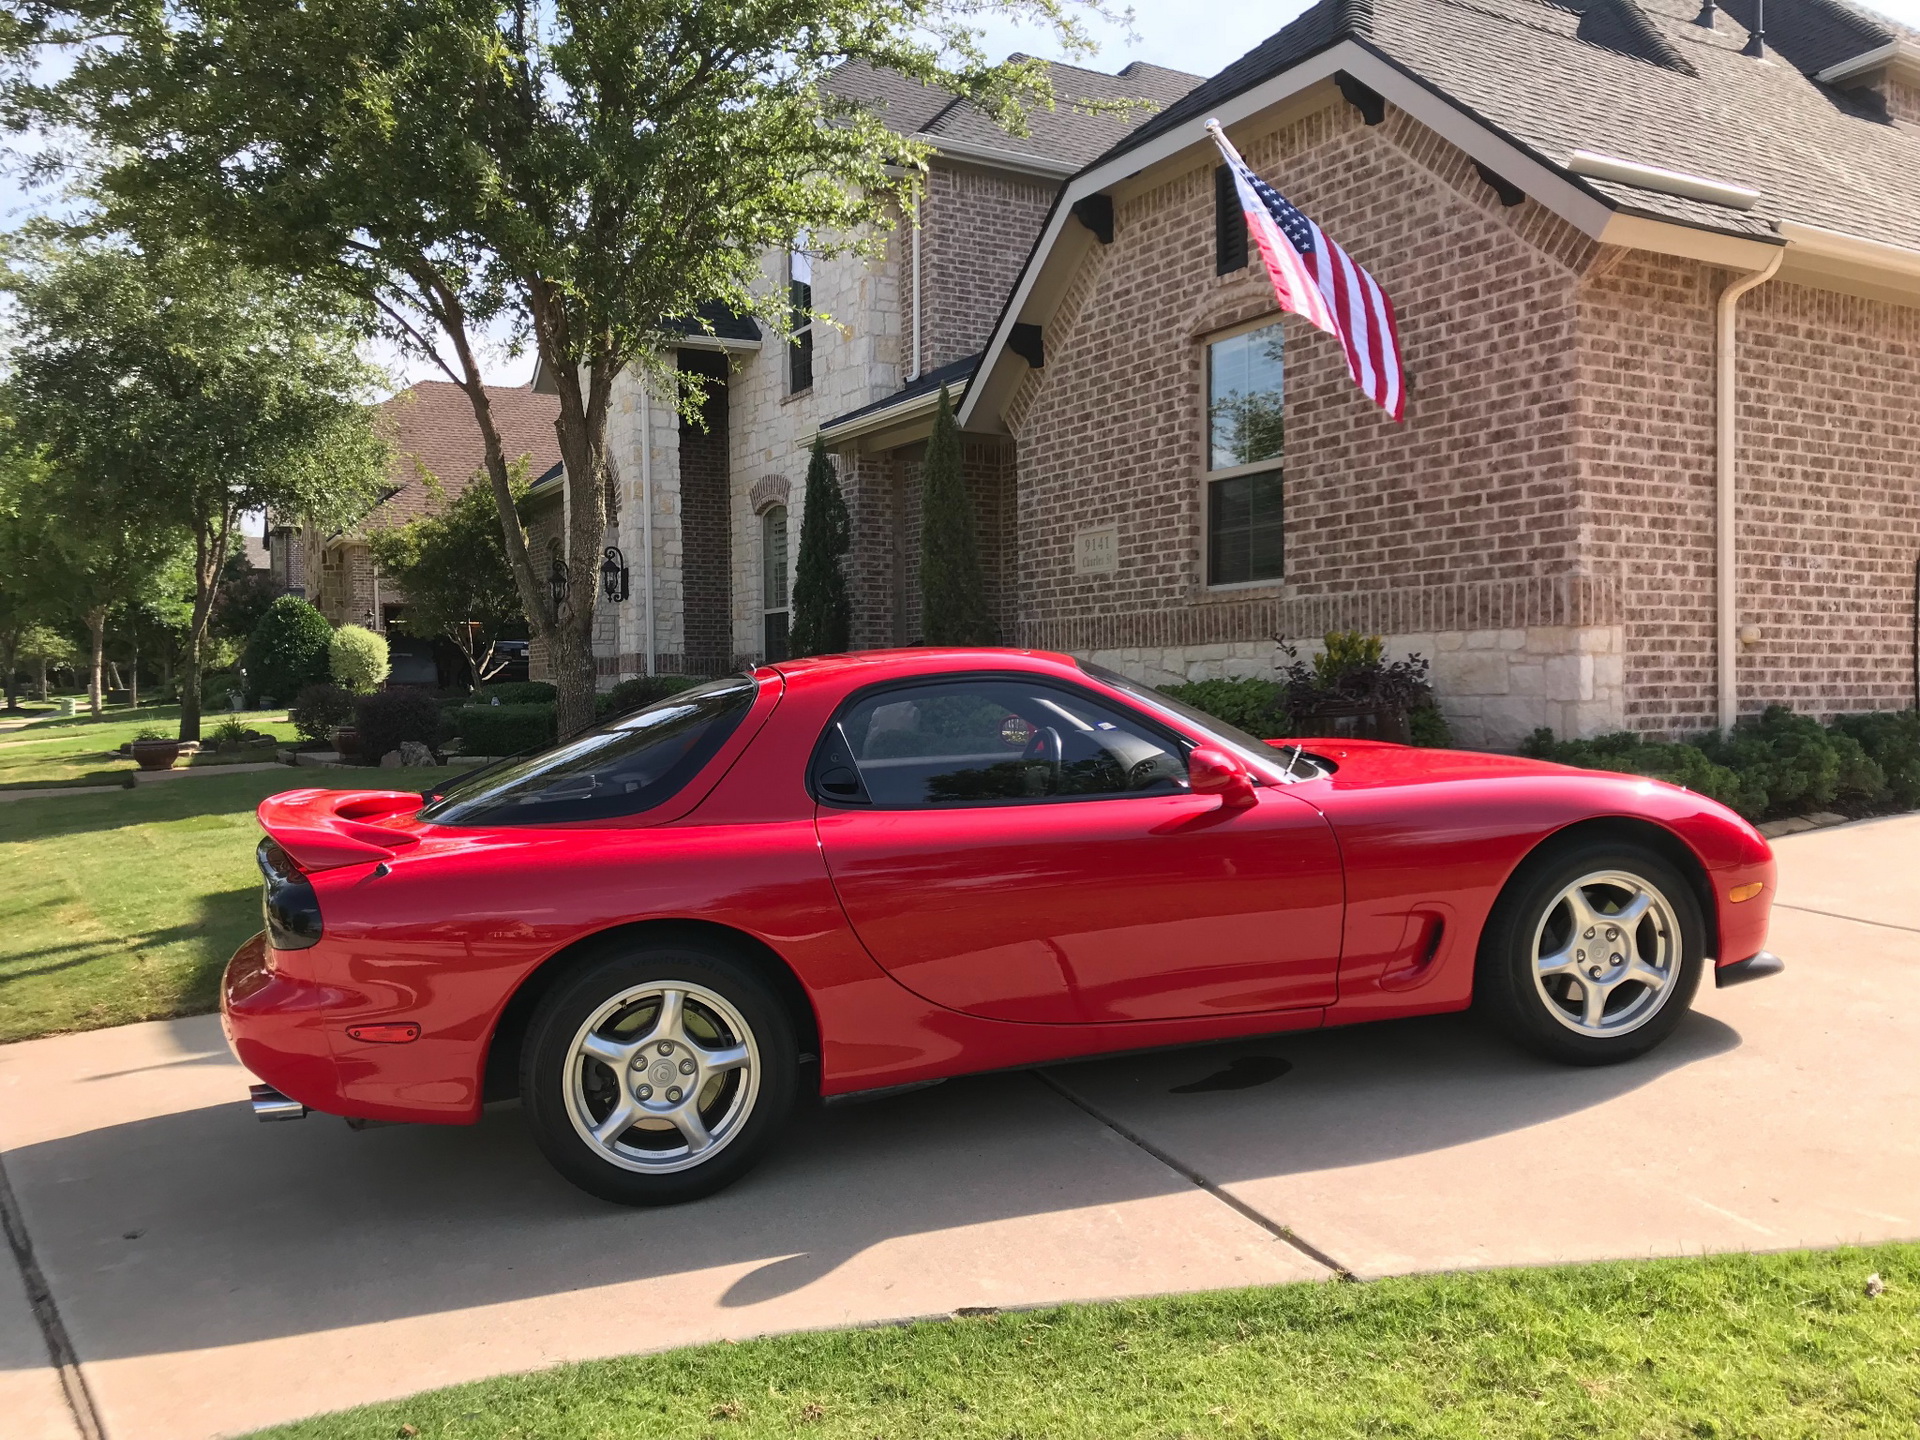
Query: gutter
[
  {"x": 899, "y": 413},
  {"x": 1019, "y": 160},
  {"x": 1726, "y": 478},
  {"x": 646, "y": 507},
  {"x": 1901, "y": 52}
]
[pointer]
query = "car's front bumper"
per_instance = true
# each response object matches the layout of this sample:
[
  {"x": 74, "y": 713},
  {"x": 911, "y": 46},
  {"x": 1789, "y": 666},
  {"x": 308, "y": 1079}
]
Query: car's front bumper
[{"x": 1754, "y": 967}]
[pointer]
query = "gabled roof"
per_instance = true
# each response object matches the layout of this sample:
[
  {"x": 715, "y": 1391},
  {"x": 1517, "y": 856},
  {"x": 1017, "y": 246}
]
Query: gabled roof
[
  {"x": 1061, "y": 139},
  {"x": 1521, "y": 85},
  {"x": 950, "y": 376},
  {"x": 430, "y": 425}
]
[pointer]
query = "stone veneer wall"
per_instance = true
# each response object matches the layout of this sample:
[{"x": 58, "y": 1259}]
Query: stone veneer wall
[{"x": 1455, "y": 531}]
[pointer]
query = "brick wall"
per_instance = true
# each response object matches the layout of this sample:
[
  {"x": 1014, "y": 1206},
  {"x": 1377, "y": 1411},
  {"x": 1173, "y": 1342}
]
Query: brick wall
[
  {"x": 1465, "y": 506},
  {"x": 706, "y": 528},
  {"x": 977, "y": 228}
]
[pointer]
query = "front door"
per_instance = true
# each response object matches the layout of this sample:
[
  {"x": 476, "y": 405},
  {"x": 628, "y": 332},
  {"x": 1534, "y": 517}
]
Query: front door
[{"x": 1024, "y": 850}]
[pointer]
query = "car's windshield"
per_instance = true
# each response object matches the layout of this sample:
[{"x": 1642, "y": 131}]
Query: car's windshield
[
  {"x": 1290, "y": 764},
  {"x": 621, "y": 768}
]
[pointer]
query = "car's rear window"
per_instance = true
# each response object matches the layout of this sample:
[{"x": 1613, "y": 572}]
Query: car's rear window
[{"x": 621, "y": 768}]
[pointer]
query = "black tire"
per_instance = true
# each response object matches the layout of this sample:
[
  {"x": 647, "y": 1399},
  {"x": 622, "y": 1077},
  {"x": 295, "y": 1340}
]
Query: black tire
[
  {"x": 1533, "y": 908},
  {"x": 557, "y": 1088}
]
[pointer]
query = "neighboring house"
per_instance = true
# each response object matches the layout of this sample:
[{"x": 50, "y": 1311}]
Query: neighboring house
[
  {"x": 431, "y": 432},
  {"x": 712, "y": 517},
  {"x": 1567, "y": 203}
]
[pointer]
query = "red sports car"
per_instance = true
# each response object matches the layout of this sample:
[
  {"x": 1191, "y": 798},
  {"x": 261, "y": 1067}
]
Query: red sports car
[{"x": 878, "y": 870}]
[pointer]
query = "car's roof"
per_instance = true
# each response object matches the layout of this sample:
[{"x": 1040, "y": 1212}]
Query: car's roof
[{"x": 865, "y": 666}]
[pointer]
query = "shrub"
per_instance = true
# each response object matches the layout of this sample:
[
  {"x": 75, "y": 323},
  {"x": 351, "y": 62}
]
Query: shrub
[
  {"x": 631, "y": 695},
  {"x": 358, "y": 659},
  {"x": 287, "y": 651},
  {"x": 505, "y": 729},
  {"x": 1253, "y": 705},
  {"x": 229, "y": 734},
  {"x": 215, "y": 690},
  {"x": 1429, "y": 727},
  {"x": 953, "y": 590},
  {"x": 1891, "y": 739},
  {"x": 516, "y": 692},
  {"x": 1792, "y": 763},
  {"x": 387, "y": 717},
  {"x": 1626, "y": 753},
  {"x": 319, "y": 709},
  {"x": 822, "y": 611}
]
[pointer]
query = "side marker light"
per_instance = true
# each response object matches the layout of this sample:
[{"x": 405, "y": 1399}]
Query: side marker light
[
  {"x": 1745, "y": 892},
  {"x": 384, "y": 1034}
]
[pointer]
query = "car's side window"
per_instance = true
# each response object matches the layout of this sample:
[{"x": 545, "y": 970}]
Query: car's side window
[{"x": 991, "y": 741}]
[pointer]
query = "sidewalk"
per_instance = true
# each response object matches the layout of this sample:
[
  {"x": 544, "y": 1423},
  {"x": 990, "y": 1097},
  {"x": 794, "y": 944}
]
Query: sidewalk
[{"x": 215, "y": 1274}]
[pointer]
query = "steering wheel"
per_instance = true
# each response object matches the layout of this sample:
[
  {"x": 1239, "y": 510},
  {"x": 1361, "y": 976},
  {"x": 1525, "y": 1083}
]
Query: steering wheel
[{"x": 1045, "y": 749}]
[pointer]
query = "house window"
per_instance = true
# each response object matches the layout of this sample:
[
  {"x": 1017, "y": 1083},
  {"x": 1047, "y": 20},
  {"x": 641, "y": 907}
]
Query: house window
[
  {"x": 773, "y": 582},
  {"x": 1245, "y": 418},
  {"x": 800, "y": 302},
  {"x": 1229, "y": 225}
]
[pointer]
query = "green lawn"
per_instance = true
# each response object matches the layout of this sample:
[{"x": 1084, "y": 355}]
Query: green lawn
[
  {"x": 125, "y": 906},
  {"x": 1743, "y": 1345},
  {"x": 56, "y": 751}
]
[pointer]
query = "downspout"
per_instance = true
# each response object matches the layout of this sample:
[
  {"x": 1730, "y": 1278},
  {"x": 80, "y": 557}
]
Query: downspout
[
  {"x": 1726, "y": 376},
  {"x": 646, "y": 507},
  {"x": 914, "y": 373}
]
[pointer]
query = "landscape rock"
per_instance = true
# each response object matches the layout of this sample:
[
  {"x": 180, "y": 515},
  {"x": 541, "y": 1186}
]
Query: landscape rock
[
  {"x": 413, "y": 754},
  {"x": 391, "y": 760}
]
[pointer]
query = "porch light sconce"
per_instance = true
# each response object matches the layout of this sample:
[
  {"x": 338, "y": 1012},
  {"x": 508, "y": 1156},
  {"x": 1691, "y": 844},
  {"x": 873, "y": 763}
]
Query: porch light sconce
[
  {"x": 614, "y": 575},
  {"x": 557, "y": 583}
]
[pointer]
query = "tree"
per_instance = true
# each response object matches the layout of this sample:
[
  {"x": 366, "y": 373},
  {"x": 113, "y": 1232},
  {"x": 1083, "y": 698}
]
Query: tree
[
  {"x": 953, "y": 591},
  {"x": 577, "y": 173},
  {"x": 45, "y": 648},
  {"x": 183, "y": 391},
  {"x": 822, "y": 610},
  {"x": 454, "y": 569}
]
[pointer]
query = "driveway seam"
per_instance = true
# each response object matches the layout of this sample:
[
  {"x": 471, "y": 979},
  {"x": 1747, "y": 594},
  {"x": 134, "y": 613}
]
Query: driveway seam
[
  {"x": 1854, "y": 919},
  {"x": 1186, "y": 1172},
  {"x": 65, "y": 1359}
]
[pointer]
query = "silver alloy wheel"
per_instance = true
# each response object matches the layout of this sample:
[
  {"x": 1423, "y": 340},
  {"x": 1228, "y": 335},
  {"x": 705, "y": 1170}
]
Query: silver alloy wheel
[
  {"x": 1607, "y": 953},
  {"x": 662, "y": 1076}
]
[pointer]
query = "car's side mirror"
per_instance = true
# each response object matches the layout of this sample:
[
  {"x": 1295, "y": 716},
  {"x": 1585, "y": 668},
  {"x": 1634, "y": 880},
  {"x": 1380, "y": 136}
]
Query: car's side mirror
[{"x": 1214, "y": 772}]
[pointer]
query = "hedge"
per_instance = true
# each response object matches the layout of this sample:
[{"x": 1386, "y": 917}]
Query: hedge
[
  {"x": 287, "y": 651},
  {"x": 643, "y": 690},
  {"x": 1259, "y": 708},
  {"x": 516, "y": 692},
  {"x": 504, "y": 729},
  {"x": 1779, "y": 765}
]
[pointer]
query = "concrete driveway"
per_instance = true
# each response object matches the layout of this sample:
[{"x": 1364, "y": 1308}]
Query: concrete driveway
[{"x": 211, "y": 1274}]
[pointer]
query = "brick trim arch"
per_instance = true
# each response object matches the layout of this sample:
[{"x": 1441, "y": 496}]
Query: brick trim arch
[{"x": 769, "y": 491}]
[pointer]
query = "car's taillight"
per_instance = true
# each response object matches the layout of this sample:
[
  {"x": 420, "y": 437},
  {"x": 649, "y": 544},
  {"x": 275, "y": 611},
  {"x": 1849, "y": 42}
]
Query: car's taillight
[{"x": 291, "y": 906}]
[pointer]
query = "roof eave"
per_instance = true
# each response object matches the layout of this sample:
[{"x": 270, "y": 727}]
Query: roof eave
[
  {"x": 900, "y": 423},
  {"x": 992, "y": 157},
  {"x": 1898, "y": 53}
]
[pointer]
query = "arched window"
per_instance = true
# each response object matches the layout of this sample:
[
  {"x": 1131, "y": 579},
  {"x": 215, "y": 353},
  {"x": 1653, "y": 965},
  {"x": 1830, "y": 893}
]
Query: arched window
[{"x": 773, "y": 581}]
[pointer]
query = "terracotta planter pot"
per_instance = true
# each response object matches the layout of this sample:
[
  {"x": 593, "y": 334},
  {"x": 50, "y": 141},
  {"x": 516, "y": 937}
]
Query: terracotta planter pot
[
  {"x": 156, "y": 754},
  {"x": 346, "y": 741}
]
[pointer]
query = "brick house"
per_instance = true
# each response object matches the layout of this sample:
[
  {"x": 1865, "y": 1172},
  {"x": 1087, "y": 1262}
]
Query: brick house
[
  {"x": 1594, "y": 217},
  {"x": 1567, "y": 202},
  {"x": 430, "y": 430}
]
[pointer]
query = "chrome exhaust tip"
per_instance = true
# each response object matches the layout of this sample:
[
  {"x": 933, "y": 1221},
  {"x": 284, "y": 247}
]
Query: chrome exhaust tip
[{"x": 269, "y": 1104}]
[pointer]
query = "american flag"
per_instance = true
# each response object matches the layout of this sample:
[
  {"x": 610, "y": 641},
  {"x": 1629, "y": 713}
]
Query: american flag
[{"x": 1318, "y": 281}]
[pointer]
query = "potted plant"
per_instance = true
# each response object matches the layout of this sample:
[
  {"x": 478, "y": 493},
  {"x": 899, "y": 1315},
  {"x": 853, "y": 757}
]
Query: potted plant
[
  {"x": 153, "y": 750},
  {"x": 346, "y": 741}
]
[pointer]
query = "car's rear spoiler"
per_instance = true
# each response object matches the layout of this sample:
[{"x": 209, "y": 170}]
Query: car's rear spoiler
[{"x": 325, "y": 829}]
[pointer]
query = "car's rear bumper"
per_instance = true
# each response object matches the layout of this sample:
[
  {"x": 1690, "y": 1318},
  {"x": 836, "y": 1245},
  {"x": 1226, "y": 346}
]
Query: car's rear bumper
[
  {"x": 1754, "y": 967},
  {"x": 277, "y": 1027}
]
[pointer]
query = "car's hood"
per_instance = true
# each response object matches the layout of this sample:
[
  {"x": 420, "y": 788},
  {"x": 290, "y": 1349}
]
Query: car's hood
[{"x": 1376, "y": 762}]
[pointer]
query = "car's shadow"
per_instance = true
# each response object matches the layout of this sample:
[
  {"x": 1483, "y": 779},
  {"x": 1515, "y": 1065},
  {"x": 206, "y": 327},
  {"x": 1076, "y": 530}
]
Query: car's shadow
[{"x": 204, "y": 1228}]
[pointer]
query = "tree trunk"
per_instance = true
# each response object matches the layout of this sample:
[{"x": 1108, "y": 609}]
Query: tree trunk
[
  {"x": 133, "y": 671},
  {"x": 570, "y": 654},
  {"x": 97, "y": 625},
  {"x": 11, "y": 660},
  {"x": 43, "y": 679},
  {"x": 210, "y": 555}
]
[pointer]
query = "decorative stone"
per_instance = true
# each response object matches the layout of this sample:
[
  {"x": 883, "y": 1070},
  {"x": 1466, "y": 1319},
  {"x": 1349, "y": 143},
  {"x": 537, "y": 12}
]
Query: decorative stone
[
  {"x": 413, "y": 754},
  {"x": 391, "y": 760}
]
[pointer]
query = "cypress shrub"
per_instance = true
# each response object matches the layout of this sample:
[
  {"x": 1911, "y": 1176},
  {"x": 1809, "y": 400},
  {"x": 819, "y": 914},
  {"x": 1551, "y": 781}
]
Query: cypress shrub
[
  {"x": 505, "y": 729},
  {"x": 387, "y": 717},
  {"x": 822, "y": 609},
  {"x": 953, "y": 591},
  {"x": 287, "y": 651}
]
